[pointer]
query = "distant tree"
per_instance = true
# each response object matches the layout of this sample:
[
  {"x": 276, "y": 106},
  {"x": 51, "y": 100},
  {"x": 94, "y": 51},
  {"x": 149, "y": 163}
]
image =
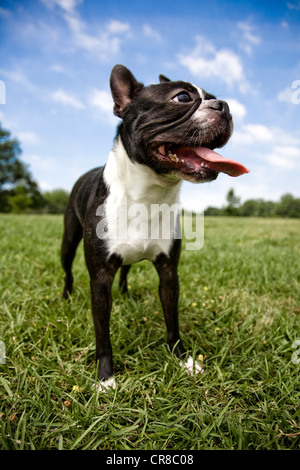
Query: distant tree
[
  {"x": 249, "y": 208},
  {"x": 233, "y": 203},
  {"x": 11, "y": 169},
  {"x": 19, "y": 201},
  {"x": 15, "y": 178},
  {"x": 56, "y": 201},
  {"x": 266, "y": 208},
  {"x": 213, "y": 211},
  {"x": 288, "y": 206},
  {"x": 258, "y": 208}
]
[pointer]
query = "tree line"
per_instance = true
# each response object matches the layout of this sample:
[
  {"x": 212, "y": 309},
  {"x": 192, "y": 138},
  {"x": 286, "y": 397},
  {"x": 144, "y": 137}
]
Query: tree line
[
  {"x": 19, "y": 193},
  {"x": 287, "y": 206}
]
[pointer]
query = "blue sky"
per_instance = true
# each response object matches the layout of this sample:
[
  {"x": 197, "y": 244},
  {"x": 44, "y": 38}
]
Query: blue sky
[{"x": 56, "y": 57}]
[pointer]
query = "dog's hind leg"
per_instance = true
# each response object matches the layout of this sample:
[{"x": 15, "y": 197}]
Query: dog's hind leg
[
  {"x": 123, "y": 278},
  {"x": 71, "y": 238}
]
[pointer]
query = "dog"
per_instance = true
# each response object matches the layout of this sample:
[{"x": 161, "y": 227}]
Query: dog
[{"x": 167, "y": 134}]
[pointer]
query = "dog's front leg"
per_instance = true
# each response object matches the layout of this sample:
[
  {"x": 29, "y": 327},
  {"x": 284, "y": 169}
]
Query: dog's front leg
[
  {"x": 169, "y": 294},
  {"x": 101, "y": 297},
  {"x": 101, "y": 308}
]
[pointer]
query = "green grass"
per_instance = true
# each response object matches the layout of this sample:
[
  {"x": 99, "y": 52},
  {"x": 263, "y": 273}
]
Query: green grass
[{"x": 239, "y": 308}]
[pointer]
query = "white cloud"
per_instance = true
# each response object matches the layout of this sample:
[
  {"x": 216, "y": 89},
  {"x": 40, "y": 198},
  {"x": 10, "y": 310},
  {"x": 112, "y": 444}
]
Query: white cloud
[
  {"x": 294, "y": 5},
  {"x": 286, "y": 95},
  {"x": 57, "y": 68},
  {"x": 19, "y": 77},
  {"x": 101, "y": 99},
  {"x": 61, "y": 96},
  {"x": 270, "y": 144},
  {"x": 248, "y": 34},
  {"x": 66, "y": 5},
  {"x": 117, "y": 27},
  {"x": 251, "y": 134},
  {"x": 249, "y": 39},
  {"x": 286, "y": 157},
  {"x": 41, "y": 163},
  {"x": 237, "y": 109},
  {"x": 4, "y": 12},
  {"x": 152, "y": 33},
  {"x": 28, "y": 137},
  {"x": 206, "y": 61},
  {"x": 45, "y": 186},
  {"x": 104, "y": 44},
  {"x": 285, "y": 138},
  {"x": 9, "y": 123},
  {"x": 103, "y": 102}
]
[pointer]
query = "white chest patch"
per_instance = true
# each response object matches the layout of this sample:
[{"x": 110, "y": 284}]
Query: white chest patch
[{"x": 141, "y": 210}]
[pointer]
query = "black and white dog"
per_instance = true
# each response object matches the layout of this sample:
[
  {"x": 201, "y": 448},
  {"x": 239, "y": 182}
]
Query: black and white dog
[{"x": 166, "y": 135}]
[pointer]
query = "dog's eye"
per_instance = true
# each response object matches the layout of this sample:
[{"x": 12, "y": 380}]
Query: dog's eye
[{"x": 182, "y": 97}]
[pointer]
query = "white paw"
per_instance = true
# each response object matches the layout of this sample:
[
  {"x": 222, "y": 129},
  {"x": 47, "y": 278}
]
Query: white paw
[
  {"x": 104, "y": 385},
  {"x": 192, "y": 367}
]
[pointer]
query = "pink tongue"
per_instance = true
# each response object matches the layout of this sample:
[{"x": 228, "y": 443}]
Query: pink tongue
[{"x": 219, "y": 163}]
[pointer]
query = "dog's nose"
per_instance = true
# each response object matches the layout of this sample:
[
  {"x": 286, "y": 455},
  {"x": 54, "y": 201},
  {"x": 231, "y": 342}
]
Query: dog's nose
[{"x": 219, "y": 105}]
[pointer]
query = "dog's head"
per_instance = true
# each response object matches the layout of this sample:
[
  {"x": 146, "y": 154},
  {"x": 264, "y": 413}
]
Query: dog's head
[{"x": 173, "y": 127}]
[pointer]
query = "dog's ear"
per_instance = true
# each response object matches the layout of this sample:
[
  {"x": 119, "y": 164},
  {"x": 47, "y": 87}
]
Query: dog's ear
[
  {"x": 123, "y": 87},
  {"x": 163, "y": 79}
]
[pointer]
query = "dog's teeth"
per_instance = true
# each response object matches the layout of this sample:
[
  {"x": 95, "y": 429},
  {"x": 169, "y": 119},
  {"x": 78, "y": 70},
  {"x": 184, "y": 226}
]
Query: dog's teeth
[
  {"x": 203, "y": 165},
  {"x": 173, "y": 156}
]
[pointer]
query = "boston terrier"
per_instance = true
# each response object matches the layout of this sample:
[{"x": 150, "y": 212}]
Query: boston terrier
[{"x": 167, "y": 134}]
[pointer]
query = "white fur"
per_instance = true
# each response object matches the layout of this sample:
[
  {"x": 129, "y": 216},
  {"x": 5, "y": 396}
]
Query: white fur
[
  {"x": 200, "y": 91},
  {"x": 105, "y": 384},
  {"x": 133, "y": 185},
  {"x": 192, "y": 367}
]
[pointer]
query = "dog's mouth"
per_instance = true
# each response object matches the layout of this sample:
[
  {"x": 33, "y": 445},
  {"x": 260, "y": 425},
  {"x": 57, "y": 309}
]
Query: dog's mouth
[{"x": 196, "y": 163}]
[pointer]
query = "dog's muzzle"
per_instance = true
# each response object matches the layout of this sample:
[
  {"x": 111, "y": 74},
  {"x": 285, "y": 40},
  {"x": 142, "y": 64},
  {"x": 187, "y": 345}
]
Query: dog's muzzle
[{"x": 206, "y": 125}]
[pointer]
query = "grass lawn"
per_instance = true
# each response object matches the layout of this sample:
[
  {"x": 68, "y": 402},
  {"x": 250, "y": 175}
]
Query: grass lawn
[{"x": 239, "y": 309}]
